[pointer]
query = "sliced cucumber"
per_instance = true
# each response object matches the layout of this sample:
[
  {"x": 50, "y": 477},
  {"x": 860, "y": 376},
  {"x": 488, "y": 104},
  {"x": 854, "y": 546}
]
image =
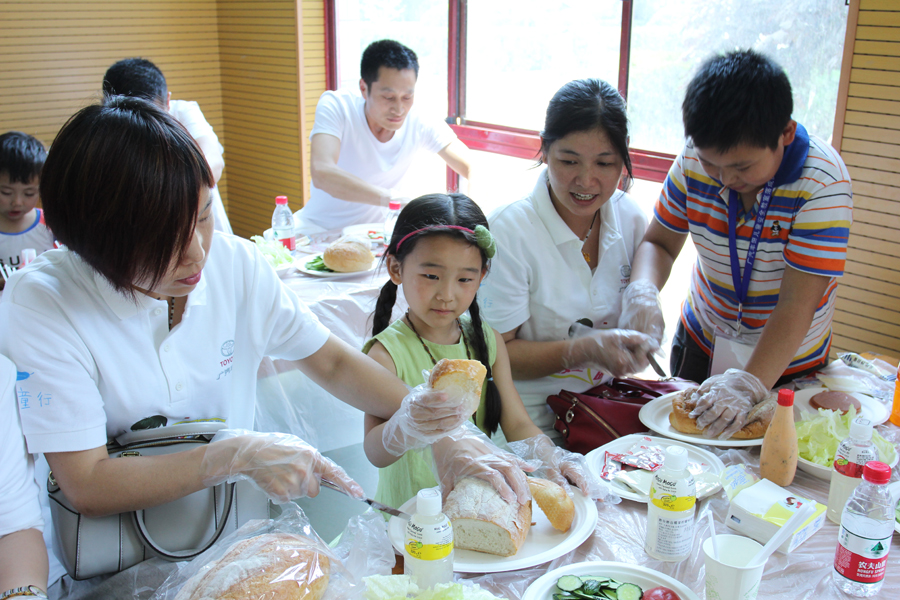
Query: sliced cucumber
[
  {"x": 563, "y": 596},
  {"x": 629, "y": 591},
  {"x": 569, "y": 583}
]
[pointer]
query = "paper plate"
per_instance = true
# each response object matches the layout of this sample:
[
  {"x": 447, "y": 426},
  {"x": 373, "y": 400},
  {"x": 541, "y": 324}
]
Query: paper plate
[
  {"x": 542, "y": 544},
  {"x": 870, "y": 408},
  {"x": 655, "y": 415},
  {"x": 595, "y": 459},
  {"x": 372, "y": 231},
  {"x": 300, "y": 264},
  {"x": 544, "y": 586}
]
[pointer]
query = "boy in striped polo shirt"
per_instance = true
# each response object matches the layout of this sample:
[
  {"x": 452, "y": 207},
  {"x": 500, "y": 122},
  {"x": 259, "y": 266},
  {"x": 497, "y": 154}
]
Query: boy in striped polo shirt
[{"x": 751, "y": 187}]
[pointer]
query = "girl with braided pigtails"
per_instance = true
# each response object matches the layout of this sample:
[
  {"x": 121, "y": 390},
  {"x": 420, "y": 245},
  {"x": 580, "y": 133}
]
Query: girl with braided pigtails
[{"x": 440, "y": 251}]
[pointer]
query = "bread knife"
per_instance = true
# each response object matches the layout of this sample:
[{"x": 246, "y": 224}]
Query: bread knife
[
  {"x": 656, "y": 366},
  {"x": 374, "y": 504}
]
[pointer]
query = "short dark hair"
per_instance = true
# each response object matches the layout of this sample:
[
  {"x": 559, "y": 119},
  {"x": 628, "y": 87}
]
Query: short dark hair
[
  {"x": 121, "y": 187},
  {"x": 21, "y": 156},
  {"x": 137, "y": 77},
  {"x": 585, "y": 105},
  {"x": 742, "y": 97},
  {"x": 386, "y": 53}
]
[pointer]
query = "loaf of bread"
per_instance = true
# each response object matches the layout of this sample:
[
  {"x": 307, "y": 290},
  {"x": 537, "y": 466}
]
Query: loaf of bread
[
  {"x": 461, "y": 380},
  {"x": 757, "y": 421},
  {"x": 274, "y": 566},
  {"x": 485, "y": 522},
  {"x": 555, "y": 503},
  {"x": 348, "y": 255}
]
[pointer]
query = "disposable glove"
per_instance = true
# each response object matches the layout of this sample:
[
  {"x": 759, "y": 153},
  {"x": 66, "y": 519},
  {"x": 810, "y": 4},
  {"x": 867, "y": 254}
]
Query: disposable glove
[
  {"x": 642, "y": 311},
  {"x": 424, "y": 417},
  {"x": 281, "y": 465},
  {"x": 467, "y": 452},
  {"x": 559, "y": 465},
  {"x": 724, "y": 401},
  {"x": 618, "y": 352}
]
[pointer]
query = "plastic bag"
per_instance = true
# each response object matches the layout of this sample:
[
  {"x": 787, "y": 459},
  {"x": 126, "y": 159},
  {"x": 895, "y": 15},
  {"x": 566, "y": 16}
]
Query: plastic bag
[
  {"x": 295, "y": 555},
  {"x": 840, "y": 377}
]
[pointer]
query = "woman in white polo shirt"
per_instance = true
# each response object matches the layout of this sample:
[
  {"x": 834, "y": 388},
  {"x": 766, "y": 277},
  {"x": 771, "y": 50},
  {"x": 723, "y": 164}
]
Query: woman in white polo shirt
[
  {"x": 564, "y": 255},
  {"x": 146, "y": 315}
]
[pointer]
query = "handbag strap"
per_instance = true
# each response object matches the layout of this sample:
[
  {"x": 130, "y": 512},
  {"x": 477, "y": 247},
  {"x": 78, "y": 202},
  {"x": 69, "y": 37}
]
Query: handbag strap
[{"x": 141, "y": 527}]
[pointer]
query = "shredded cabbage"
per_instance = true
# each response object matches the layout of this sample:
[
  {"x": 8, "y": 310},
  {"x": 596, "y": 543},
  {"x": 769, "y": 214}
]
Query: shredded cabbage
[
  {"x": 818, "y": 437},
  {"x": 274, "y": 252},
  {"x": 402, "y": 587}
]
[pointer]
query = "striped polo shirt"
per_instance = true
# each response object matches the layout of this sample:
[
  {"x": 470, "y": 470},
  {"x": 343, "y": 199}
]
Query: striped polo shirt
[{"x": 806, "y": 227}]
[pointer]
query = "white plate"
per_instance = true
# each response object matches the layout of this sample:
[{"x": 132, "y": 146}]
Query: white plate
[
  {"x": 655, "y": 415},
  {"x": 544, "y": 586},
  {"x": 542, "y": 544},
  {"x": 870, "y": 408},
  {"x": 372, "y": 231},
  {"x": 595, "y": 460},
  {"x": 300, "y": 263},
  {"x": 285, "y": 270}
]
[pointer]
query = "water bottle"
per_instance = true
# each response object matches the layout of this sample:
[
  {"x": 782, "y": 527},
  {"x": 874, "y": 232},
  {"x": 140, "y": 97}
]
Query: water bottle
[
  {"x": 428, "y": 552},
  {"x": 390, "y": 220},
  {"x": 864, "y": 540},
  {"x": 670, "y": 511},
  {"x": 283, "y": 223},
  {"x": 847, "y": 469}
]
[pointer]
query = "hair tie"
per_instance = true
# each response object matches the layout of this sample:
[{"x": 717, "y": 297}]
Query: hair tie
[{"x": 483, "y": 237}]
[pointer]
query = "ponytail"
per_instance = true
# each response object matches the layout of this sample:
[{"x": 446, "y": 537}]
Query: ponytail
[
  {"x": 381, "y": 318},
  {"x": 492, "y": 403}
]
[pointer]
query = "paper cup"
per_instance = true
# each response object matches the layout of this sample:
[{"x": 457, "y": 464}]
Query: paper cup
[{"x": 729, "y": 577}]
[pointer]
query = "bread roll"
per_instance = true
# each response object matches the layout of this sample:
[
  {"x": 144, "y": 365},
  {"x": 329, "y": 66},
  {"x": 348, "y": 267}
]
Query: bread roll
[
  {"x": 461, "y": 380},
  {"x": 834, "y": 401},
  {"x": 274, "y": 566},
  {"x": 348, "y": 255},
  {"x": 554, "y": 502},
  {"x": 485, "y": 522},
  {"x": 757, "y": 421}
]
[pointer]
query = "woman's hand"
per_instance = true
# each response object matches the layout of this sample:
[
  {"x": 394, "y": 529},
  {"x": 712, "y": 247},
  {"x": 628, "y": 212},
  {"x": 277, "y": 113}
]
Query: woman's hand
[
  {"x": 642, "y": 311},
  {"x": 724, "y": 401},
  {"x": 281, "y": 465},
  {"x": 559, "y": 465},
  {"x": 618, "y": 352},
  {"x": 424, "y": 417}
]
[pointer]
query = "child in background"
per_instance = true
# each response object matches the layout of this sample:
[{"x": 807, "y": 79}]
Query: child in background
[
  {"x": 440, "y": 250},
  {"x": 21, "y": 223}
]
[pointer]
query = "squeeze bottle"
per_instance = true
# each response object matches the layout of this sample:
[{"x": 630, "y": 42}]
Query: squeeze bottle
[
  {"x": 778, "y": 457},
  {"x": 847, "y": 469},
  {"x": 670, "y": 511},
  {"x": 283, "y": 223},
  {"x": 428, "y": 552}
]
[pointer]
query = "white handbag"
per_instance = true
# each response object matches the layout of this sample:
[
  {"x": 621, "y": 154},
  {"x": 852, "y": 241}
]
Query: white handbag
[{"x": 175, "y": 531}]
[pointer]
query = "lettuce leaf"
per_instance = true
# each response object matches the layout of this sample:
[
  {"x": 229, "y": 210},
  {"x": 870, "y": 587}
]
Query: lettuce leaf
[
  {"x": 274, "y": 252},
  {"x": 818, "y": 437}
]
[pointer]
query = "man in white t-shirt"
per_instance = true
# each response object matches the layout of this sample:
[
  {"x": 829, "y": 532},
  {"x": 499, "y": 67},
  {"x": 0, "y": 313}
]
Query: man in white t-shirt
[
  {"x": 362, "y": 145},
  {"x": 141, "y": 78}
]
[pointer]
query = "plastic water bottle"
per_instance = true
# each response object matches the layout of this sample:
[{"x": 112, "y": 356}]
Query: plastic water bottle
[
  {"x": 283, "y": 223},
  {"x": 867, "y": 525},
  {"x": 847, "y": 468},
  {"x": 670, "y": 511},
  {"x": 390, "y": 220},
  {"x": 428, "y": 552}
]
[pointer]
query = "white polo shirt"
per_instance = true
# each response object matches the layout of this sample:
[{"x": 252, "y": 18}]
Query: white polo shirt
[
  {"x": 94, "y": 362},
  {"x": 540, "y": 280},
  {"x": 19, "y": 507}
]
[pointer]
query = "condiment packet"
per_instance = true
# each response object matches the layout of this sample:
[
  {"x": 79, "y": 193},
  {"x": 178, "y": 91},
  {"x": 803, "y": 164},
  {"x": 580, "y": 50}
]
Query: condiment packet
[
  {"x": 735, "y": 478},
  {"x": 639, "y": 481},
  {"x": 611, "y": 466},
  {"x": 644, "y": 456}
]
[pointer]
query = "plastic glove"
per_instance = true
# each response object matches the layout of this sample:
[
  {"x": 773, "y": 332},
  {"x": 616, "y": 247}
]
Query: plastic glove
[
  {"x": 619, "y": 352},
  {"x": 424, "y": 417},
  {"x": 724, "y": 401},
  {"x": 559, "y": 465},
  {"x": 642, "y": 311},
  {"x": 467, "y": 452},
  {"x": 281, "y": 465}
]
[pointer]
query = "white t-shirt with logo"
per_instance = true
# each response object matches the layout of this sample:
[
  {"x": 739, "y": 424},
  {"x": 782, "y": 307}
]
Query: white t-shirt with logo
[
  {"x": 383, "y": 164},
  {"x": 38, "y": 236},
  {"x": 94, "y": 362}
]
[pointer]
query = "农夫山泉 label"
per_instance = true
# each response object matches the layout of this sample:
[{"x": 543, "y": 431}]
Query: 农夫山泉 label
[
  {"x": 861, "y": 559},
  {"x": 431, "y": 542}
]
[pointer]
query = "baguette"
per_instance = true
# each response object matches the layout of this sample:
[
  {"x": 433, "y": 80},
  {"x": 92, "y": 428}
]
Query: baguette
[
  {"x": 461, "y": 380},
  {"x": 485, "y": 522},
  {"x": 555, "y": 503},
  {"x": 757, "y": 421}
]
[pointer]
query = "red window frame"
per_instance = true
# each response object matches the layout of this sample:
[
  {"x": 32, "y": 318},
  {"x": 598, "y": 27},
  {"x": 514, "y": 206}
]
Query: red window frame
[{"x": 493, "y": 137}]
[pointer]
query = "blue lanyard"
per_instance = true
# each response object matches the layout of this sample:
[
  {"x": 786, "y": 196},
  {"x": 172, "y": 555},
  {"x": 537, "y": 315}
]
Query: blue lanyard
[{"x": 742, "y": 282}]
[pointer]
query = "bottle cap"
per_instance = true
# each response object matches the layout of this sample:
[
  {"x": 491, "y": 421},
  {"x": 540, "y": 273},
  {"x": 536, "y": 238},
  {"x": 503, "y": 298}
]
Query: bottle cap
[
  {"x": 394, "y": 205},
  {"x": 280, "y": 199},
  {"x": 861, "y": 429},
  {"x": 676, "y": 458},
  {"x": 876, "y": 472},
  {"x": 428, "y": 502},
  {"x": 785, "y": 397}
]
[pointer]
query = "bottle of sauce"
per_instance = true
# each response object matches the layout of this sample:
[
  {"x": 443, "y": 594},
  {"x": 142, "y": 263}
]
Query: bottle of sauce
[
  {"x": 670, "y": 511},
  {"x": 428, "y": 552},
  {"x": 895, "y": 413},
  {"x": 778, "y": 458},
  {"x": 847, "y": 468}
]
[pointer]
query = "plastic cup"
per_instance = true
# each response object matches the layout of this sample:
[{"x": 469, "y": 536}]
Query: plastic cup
[{"x": 729, "y": 577}]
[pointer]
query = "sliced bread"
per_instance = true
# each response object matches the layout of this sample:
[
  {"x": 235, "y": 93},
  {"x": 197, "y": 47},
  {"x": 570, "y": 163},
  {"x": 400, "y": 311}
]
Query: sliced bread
[{"x": 485, "y": 522}]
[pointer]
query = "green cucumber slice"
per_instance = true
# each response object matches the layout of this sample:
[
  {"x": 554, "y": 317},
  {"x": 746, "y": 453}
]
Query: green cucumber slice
[
  {"x": 569, "y": 583},
  {"x": 629, "y": 591}
]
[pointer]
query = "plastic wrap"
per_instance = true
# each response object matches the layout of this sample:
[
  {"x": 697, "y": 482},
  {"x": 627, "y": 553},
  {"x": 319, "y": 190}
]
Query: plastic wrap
[
  {"x": 424, "y": 417},
  {"x": 616, "y": 351},
  {"x": 559, "y": 465},
  {"x": 724, "y": 401},
  {"x": 292, "y": 555},
  {"x": 641, "y": 309},
  {"x": 841, "y": 377}
]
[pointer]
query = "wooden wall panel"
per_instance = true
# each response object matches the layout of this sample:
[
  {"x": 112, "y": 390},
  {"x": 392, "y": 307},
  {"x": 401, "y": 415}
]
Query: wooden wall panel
[
  {"x": 54, "y": 54},
  {"x": 868, "y": 134}
]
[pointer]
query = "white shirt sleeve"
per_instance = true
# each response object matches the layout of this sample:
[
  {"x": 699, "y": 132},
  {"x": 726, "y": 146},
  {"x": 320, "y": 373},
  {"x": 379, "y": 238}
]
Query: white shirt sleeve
[
  {"x": 505, "y": 295},
  {"x": 436, "y": 135},
  {"x": 188, "y": 113},
  {"x": 19, "y": 505},
  {"x": 330, "y": 116}
]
